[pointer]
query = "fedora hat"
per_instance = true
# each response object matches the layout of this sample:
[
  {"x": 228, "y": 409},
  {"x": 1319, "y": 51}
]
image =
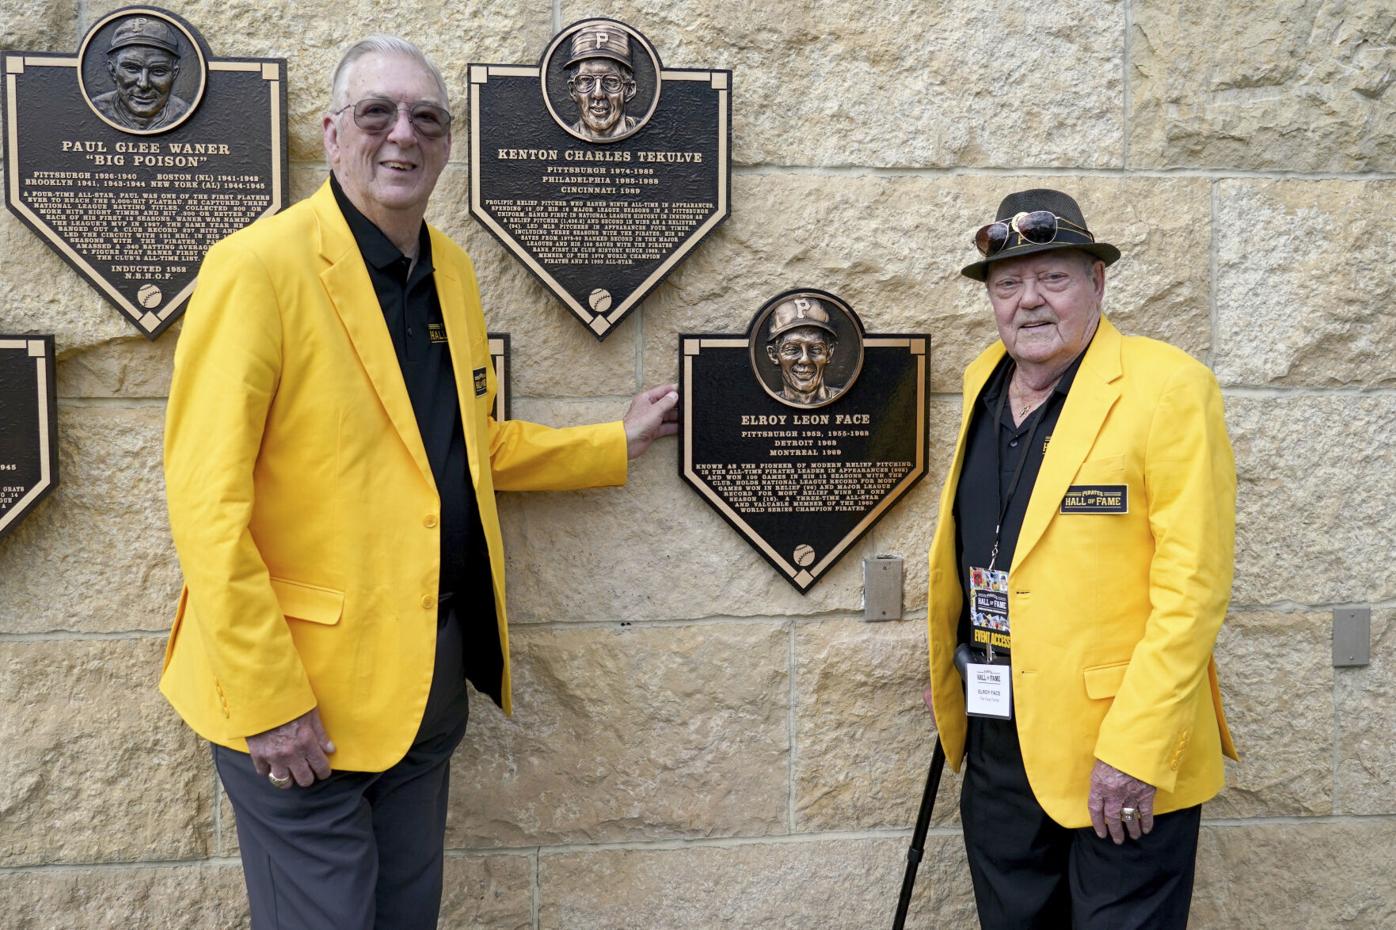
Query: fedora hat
[{"x": 1071, "y": 231}]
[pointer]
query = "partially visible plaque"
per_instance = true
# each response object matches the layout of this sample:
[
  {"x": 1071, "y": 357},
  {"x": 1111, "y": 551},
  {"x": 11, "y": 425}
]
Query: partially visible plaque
[
  {"x": 503, "y": 396},
  {"x": 599, "y": 168},
  {"x": 134, "y": 155},
  {"x": 28, "y": 426},
  {"x": 803, "y": 432}
]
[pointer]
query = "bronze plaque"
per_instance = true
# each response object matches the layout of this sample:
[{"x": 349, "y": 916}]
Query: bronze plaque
[
  {"x": 502, "y": 408},
  {"x": 804, "y": 431},
  {"x": 135, "y": 154},
  {"x": 28, "y": 426},
  {"x": 599, "y": 168}
]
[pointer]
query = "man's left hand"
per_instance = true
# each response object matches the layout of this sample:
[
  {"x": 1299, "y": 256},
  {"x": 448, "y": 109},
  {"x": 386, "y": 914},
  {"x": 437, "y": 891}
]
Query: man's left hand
[
  {"x": 653, "y": 413},
  {"x": 1111, "y": 792}
]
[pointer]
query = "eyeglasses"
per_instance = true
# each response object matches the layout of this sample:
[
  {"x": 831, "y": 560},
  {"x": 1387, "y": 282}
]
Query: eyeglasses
[
  {"x": 586, "y": 83},
  {"x": 1038, "y": 227},
  {"x": 378, "y": 114}
]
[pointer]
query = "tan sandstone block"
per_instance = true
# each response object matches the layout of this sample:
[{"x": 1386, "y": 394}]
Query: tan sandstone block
[
  {"x": 1366, "y": 718},
  {"x": 1298, "y": 460},
  {"x": 552, "y": 353},
  {"x": 652, "y": 550},
  {"x": 96, "y": 554},
  {"x": 1298, "y": 85},
  {"x": 902, "y": 84},
  {"x": 807, "y": 884},
  {"x": 1305, "y": 270},
  {"x": 1259, "y": 877},
  {"x": 892, "y": 247},
  {"x": 30, "y": 27},
  {"x": 129, "y": 366},
  {"x": 1277, "y": 690},
  {"x": 312, "y": 35},
  {"x": 97, "y": 767},
  {"x": 183, "y": 897},
  {"x": 487, "y": 893},
  {"x": 629, "y": 733},
  {"x": 863, "y": 736}
]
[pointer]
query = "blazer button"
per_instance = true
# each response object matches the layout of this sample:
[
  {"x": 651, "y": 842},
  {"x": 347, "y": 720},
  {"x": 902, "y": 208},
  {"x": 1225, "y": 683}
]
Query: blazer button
[
  {"x": 429, "y": 521},
  {"x": 428, "y": 602}
]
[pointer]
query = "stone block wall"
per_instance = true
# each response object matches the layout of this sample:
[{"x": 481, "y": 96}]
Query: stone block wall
[{"x": 696, "y": 745}]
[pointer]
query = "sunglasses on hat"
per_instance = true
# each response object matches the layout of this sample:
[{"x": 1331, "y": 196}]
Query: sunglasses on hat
[{"x": 1038, "y": 227}]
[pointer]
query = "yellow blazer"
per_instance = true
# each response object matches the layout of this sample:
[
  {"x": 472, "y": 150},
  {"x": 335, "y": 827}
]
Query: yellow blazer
[
  {"x": 1113, "y": 616},
  {"x": 301, "y": 500}
]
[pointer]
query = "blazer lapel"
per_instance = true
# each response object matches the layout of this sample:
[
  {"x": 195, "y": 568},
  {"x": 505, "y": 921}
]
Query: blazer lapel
[
  {"x": 1093, "y": 393},
  {"x": 459, "y": 338},
  {"x": 351, "y": 292}
]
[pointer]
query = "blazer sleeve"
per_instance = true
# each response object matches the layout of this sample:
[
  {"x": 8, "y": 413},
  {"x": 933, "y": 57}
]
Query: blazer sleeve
[
  {"x": 227, "y": 369},
  {"x": 1190, "y": 484},
  {"x": 530, "y": 457}
]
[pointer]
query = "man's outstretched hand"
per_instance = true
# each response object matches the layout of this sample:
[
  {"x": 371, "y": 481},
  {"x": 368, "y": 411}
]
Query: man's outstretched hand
[
  {"x": 298, "y": 748},
  {"x": 653, "y": 413}
]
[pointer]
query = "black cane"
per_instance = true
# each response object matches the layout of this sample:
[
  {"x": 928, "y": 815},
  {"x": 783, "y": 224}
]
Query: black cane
[{"x": 918, "y": 836}]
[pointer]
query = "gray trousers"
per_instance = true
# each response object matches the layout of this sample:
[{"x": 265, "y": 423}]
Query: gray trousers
[{"x": 359, "y": 850}]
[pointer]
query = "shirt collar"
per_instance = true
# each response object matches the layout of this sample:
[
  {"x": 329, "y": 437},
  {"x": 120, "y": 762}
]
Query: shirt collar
[{"x": 377, "y": 249}]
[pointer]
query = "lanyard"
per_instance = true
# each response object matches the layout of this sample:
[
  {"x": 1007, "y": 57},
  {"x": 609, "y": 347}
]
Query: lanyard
[{"x": 1002, "y": 501}]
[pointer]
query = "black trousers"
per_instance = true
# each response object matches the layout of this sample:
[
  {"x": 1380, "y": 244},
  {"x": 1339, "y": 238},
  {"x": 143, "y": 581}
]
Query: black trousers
[
  {"x": 1030, "y": 873},
  {"x": 359, "y": 850}
]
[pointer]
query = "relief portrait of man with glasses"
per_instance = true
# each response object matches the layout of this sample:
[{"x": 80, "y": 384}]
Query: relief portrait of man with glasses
[{"x": 601, "y": 82}]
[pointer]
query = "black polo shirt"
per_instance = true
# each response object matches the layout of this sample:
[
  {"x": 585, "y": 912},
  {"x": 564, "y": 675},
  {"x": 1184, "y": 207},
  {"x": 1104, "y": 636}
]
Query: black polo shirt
[
  {"x": 412, "y": 312},
  {"x": 977, "y": 499}
]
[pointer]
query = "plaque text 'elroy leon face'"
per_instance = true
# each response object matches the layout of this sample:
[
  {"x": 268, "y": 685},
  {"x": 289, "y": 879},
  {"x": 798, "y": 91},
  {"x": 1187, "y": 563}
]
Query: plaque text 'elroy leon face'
[
  {"x": 599, "y": 168},
  {"x": 135, "y": 155},
  {"x": 806, "y": 430}
]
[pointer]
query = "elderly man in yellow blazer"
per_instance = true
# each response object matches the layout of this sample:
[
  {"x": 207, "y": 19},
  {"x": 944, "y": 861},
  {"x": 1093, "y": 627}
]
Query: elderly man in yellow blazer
[
  {"x": 331, "y": 466},
  {"x": 1080, "y": 570}
]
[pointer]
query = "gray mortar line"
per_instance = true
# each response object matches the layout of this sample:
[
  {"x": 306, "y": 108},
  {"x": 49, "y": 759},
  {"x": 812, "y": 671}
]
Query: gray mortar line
[
  {"x": 1058, "y": 171},
  {"x": 114, "y": 401},
  {"x": 790, "y": 758},
  {"x": 734, "y": 842},
  {"x": 536, "y": 891},
  {"x": 1212, "y": 350},
  {"x": 1124, "y": 84},
  {"x": 57, "y": 636},
  {"x": 1266, "y": 391}
]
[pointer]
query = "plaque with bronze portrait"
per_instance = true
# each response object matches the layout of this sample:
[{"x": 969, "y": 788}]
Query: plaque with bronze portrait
[
  {"x": 599, "y": 168},
  {"x": 802, "y": 432},
  {"x": 134, "y": 154},
  {"x": 28, "y": 426}
]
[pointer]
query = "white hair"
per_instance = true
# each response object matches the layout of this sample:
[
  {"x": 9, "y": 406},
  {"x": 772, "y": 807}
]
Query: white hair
[{"x": 381, "y": 45}]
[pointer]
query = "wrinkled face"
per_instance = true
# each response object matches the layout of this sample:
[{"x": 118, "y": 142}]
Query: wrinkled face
[
  {"x": 601, "y": 88},
  {"x": 144, "y": 77},
  {"x": 802, "y": 354},
  {"x": 1046, "y": 305},
  {"x": 396, "y": 169}
]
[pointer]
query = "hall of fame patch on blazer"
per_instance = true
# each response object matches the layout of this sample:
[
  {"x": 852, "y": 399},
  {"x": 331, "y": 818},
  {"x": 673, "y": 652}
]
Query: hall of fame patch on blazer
[{"x": 1096, "y": 498}]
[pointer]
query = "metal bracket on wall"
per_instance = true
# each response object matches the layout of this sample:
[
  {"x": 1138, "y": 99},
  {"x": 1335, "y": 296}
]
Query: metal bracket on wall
[
  {"x": 1352, "y": 636},
  {"x": 882, "y": 588}
]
